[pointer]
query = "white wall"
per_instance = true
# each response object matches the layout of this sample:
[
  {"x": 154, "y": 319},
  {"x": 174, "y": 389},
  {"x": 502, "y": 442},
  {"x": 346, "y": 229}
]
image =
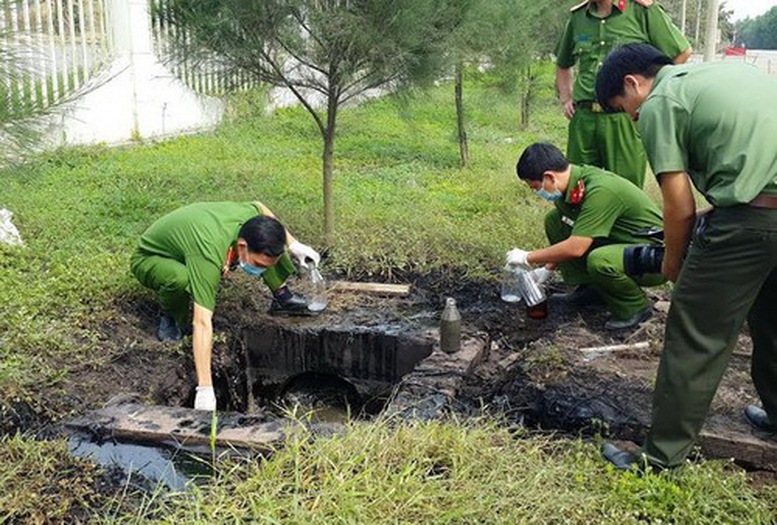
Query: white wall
[{"x": 137, "y": 98}]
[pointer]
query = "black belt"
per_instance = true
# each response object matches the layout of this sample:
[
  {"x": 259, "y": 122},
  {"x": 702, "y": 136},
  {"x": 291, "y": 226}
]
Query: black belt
[{"x": 590, "y": 105}]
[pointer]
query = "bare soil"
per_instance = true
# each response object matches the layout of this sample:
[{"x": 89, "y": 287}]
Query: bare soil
[{"x": 535, "y": 373}]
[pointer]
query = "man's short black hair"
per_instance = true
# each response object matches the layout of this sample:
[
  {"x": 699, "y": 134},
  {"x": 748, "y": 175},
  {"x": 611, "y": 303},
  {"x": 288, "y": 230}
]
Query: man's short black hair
[
  {"x": 539, "y": 158},
  {"x": 631, "y": 59},
  {"x": 264, "y": 234}
]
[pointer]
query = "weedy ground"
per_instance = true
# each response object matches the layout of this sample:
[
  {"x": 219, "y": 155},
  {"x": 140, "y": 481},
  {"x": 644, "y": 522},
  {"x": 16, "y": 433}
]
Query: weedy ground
[{"x": 403, "y": 207}]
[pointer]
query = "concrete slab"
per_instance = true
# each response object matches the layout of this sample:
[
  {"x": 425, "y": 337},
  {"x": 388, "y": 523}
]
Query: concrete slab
[
  {"x": 426, "y": 392},
  {"x": 181, "y": 426}
]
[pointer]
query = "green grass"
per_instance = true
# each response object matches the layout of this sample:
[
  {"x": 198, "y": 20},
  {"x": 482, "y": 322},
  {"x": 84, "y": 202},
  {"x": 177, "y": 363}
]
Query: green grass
[
  {"x": 474, "y": 472},
  {"x": 42, "y": 483},
  {"x": 402, "y": 202}
]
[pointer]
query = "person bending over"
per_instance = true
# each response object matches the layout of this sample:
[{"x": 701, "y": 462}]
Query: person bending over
[{"x": 184, "y": 255}]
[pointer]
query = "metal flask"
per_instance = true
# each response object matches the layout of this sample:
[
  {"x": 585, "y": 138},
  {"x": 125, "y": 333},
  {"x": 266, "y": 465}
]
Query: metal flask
[
  {"x": 450, "y": 327},
  {"x": 534, "y": 296}
]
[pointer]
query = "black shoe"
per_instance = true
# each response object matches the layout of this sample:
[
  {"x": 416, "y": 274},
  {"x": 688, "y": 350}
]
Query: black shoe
[
  {"x": 581, "y": 296},
  {"x": 622, "y": 324},
  {"x": 168, "y": 330},
  {"x": 759, "y": 419},
  {"x": 621, "y": 459},
  {"x": 286, "y": 302}
]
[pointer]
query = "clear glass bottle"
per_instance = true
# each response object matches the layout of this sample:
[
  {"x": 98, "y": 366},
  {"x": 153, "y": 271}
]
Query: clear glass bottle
[
  {"x": 511, "y": 284},
  {"x": 318, "y": 299}
]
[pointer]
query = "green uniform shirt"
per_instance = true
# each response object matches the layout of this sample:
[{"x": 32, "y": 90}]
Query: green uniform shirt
[
  {"x": 718, "y": 122},
  {"x": 198, "y": 236},
  {"x": 588, "y": 38},
  {"x": 612, "y": 207}
]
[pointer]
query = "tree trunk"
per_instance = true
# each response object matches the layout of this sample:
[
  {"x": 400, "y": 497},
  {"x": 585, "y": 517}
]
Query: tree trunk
[
  {"x": 526, "y": 95},
  {"x": 463, "y": 146},
  {"x": 329, "y": 152},
  {"x": 711, "y": 37},
  {"x": 698, "y": 24}
]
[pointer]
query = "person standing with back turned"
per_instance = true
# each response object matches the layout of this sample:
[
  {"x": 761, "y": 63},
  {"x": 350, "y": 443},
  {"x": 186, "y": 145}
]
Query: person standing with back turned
[
  {"x": 596, "y": 27},
  {"x": 711, "y": 126}
]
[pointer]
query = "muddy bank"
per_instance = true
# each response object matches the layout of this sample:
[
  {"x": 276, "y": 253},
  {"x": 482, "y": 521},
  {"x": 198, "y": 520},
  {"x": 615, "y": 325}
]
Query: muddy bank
[{"x": 535, "y": 372}]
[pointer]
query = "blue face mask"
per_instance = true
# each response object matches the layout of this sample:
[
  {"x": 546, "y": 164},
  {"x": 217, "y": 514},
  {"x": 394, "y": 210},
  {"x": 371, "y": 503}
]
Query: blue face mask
[
  {"x": 550, "y": 197},
  {"x": 252, "y": 270}
]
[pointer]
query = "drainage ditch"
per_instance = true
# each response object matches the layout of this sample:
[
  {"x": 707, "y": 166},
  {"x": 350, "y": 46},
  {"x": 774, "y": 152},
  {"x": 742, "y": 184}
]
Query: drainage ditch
[{"x": 305, "y": 370}]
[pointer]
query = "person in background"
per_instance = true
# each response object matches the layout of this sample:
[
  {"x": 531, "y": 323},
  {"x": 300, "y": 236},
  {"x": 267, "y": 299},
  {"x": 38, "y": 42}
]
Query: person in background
[
  {"x": 594, "y": 28},
  {"x": 184, "y": 255},
  {"x": 710, "y": 126},
  {"x": 597, "y": 216}
]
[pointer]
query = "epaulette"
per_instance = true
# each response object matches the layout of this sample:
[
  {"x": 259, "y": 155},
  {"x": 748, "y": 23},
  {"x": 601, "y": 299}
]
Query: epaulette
[
  {"x": 579, "y": 6},
  {"x": 644, "y": 3}
]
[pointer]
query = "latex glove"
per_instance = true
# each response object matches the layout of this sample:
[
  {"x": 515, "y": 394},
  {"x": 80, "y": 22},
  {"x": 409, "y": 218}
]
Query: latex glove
[
  {"x": 303, "y": 252},
  {"x": 205, "y": 399},
  {"x": 518, "y": 257}
]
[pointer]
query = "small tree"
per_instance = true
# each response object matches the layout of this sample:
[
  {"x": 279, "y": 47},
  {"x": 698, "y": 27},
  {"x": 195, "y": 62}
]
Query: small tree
[
  {"x": 506, "y": 36},
  {"x": 326, "y": 52}
]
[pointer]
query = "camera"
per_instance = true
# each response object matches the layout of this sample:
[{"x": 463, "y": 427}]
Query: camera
[{"x": 640, "y": 259}]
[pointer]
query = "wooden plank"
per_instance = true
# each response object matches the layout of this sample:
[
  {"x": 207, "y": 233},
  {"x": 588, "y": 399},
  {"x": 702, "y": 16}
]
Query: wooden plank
[
  {"x": 758, "y": 452},
  {"x": 376, "y": 288},
  {"x": 616, "y": 348},
  {"x": 181, "y": 426}
]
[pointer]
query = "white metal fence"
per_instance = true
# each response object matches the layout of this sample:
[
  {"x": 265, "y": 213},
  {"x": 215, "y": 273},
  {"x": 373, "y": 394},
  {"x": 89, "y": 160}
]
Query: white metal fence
[
  {"x": 208, "y": 77},
  {"x": 57, "y": 46}
]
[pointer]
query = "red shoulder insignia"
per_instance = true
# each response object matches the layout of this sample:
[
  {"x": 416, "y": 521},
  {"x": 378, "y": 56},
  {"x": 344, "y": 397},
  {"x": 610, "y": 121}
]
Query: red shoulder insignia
[
  {"x": 231, "y": 258},
  {"x": 644, "y": 3},
  {"x": 578, "y": 193},
  {"x": 579, "y": 6}
]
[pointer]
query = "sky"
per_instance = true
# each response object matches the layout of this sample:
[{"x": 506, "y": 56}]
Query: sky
[{"x": 752, "y": 8}]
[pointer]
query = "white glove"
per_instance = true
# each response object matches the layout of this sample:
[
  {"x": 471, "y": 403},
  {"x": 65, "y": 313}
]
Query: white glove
[
  {"x": 205, "y": 399},
  {"x": 303, "y": 252},
  {"x": 518, "y": 257}
]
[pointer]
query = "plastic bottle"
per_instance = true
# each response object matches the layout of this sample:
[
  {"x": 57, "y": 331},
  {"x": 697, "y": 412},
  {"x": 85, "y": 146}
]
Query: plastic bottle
[
  {"x": 450, "y": 327},
  {"x": 534, "y": 295},
  {"x": 511, "y": 284},
  {"x": 318, "y": 299}
]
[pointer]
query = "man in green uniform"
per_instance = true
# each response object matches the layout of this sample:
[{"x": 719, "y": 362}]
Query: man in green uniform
[
  {"x": 596, "y": 218},
  {"x": 713, "y": 126},
  {"x": 184, "y": 255},
  {"x": 596, "y": 27}
]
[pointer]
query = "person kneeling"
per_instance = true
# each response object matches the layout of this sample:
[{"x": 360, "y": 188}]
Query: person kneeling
[{"x": 597, "y": 216}]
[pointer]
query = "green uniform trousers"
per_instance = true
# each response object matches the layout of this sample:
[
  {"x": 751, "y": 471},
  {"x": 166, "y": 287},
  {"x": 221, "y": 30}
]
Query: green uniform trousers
[
  {"x": 607, "y": 140},
  {"x": 602, "y": 269},
  {"x": 729, "y": 275},
  {"x": 171, "y": 281}
]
